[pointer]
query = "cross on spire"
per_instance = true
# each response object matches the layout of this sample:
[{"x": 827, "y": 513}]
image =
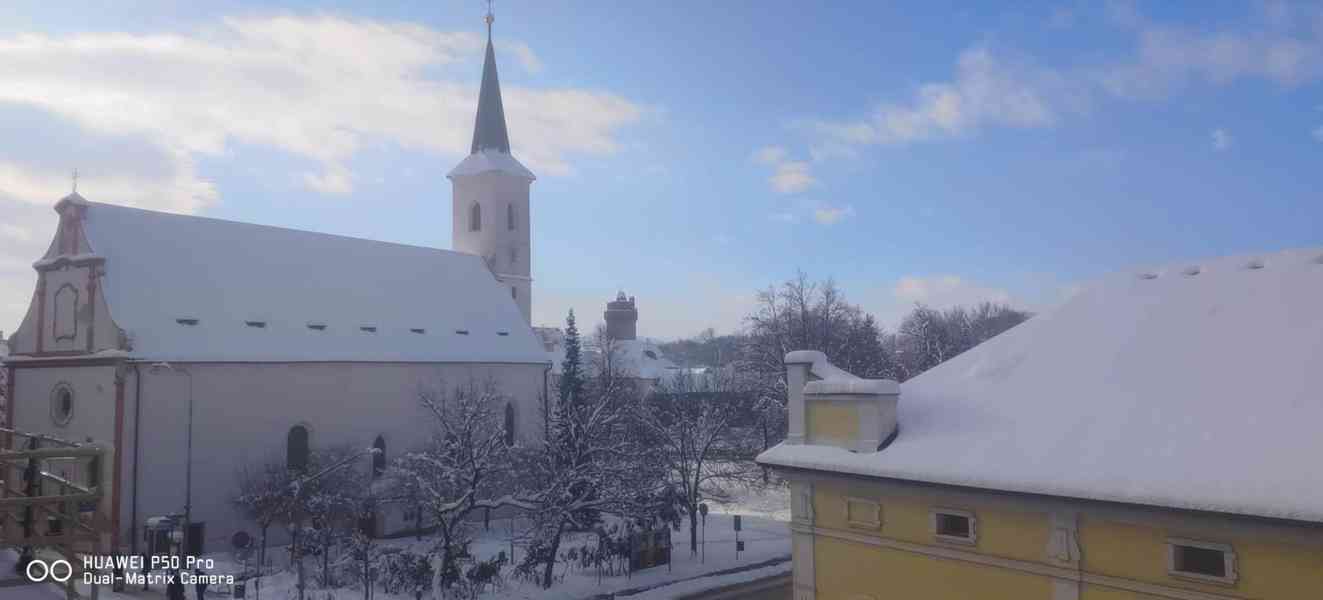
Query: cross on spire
[
  {"x": 75, "y": 181},
  {"x": 490, "y": 18}
]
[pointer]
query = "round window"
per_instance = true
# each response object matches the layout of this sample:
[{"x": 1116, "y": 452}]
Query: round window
[{"x": 62, "y": 404}]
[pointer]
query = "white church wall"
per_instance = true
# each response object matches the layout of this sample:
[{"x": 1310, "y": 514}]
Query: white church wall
[
  {"x": 92, "y": 417},
  {"x": 243, "y": 413},
  {"x": 93, "y": 414}
]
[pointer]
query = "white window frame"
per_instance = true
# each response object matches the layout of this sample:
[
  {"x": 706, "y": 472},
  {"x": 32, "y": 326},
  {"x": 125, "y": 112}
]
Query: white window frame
[
  {"x": 1228, "y": 559},
  {"x": 955, "y": 512},
  {"x": 867, "y": 516}
]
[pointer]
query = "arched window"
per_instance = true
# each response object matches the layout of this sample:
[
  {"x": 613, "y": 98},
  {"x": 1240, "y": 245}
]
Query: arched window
[
  {"x": 509, "y": 217},
  {"x": 296, "y": 448},
  {"x": 379, "y": 459},
  {"x": 475, "y": 217},
  {"x": 509, "y": 424}
]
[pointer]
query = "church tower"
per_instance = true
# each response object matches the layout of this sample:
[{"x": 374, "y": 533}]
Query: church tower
[{"x": 490, "y": 190}]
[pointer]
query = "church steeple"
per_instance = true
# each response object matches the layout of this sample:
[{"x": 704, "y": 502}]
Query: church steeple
[
  {"x": 490, "y": 212},
  {"x": 489, "y": 131}
]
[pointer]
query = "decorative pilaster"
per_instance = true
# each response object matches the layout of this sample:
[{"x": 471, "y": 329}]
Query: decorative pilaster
[
  {"x": 1063, "y": 550},
  {"x": 804, "y": 577}
]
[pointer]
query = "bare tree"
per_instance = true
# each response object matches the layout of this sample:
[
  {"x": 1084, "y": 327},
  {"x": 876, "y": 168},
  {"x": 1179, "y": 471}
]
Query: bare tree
[
  {"x": 688, "y": 423},
  {"x": 460, "y": 470}
]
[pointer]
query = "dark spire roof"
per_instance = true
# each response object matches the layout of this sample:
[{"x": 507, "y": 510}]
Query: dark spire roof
[{"x": 489, "y": 126}]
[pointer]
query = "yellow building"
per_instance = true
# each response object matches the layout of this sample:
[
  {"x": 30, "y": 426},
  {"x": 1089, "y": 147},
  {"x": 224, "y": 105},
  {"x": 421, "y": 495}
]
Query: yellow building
[{"x": 1159, "y": 435}]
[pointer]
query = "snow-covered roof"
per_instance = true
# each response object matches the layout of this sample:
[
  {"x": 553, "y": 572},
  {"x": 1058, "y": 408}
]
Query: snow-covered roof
[
  {"x": 640, "y": 358},
  {"x": 643, "y": 359},
  {"x": 1193, "y": 386},
  {"x": 190, "y": 288}
]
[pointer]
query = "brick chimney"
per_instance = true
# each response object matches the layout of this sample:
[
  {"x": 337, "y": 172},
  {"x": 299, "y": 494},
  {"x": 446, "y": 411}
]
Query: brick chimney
[{"x": 832, "y": 407}]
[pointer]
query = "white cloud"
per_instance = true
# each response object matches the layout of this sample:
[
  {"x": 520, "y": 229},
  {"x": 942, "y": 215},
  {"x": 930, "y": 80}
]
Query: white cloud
[
  {"x": 891, "y": 304},
  {"x": 940, "y": 291},
  {"x": 987, "y": 90},
  {"x": 788, "y": 176},
  {"x": 335, "y": 181},
  {"x": 792, "y": 177},
  {"x": 1221, "y": 139},
  {"x": 527, "y": 59},
  {"x": 316, "y": 87},
  {"x": 994, "y": 88},
  {"x": 769, "y": 155},
  {"x": 1318, "y": 133},
  {"x": 784, "y": 217},
  {"x": 830, "y": 215},
  {"x": 1168, "y": 58}
]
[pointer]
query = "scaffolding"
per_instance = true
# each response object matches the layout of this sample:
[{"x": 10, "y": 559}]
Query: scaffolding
[{"x": 51, "y": 501}]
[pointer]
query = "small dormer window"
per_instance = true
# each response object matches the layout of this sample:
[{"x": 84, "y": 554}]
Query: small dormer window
[
  {"x": 317, "y": 326},
  {"x": 951, "y": 525},
  {"x": 1254, "y": 265},
  {"x": 650, "y": 354},
  {"x": 256, "y": 324},
  {"x": 503, "y": 333},
  {"x": 187, "y": 321},
  {"x": 462, "y": 331},
  {"x": 368, "y": 329},
  {"x": 418, "y": 330},
  {"x": 1203, "y": 561}
]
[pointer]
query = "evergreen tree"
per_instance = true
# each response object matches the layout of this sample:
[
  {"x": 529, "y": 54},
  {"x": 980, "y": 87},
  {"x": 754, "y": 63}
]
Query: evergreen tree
[{"x": 570, "y": 387}]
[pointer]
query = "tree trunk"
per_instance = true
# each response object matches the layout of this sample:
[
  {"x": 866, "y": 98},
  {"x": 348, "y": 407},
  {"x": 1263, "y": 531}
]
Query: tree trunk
[
  {"x": 298, "y": 554},
  {"x": 551, "y": 559},
  {"x": 326, "y": 566},
  {"x": 693, "y": 529}
]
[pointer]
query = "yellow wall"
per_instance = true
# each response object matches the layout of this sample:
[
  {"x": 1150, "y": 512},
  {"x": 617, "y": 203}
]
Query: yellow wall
[
  {"x": 832, "y": 421},
  {"x": 1267, "y": 569},
  {"x": 846, "y": 570},
  {"x": 907, "y": 517},
  {"x": 1130, "y": 545}
]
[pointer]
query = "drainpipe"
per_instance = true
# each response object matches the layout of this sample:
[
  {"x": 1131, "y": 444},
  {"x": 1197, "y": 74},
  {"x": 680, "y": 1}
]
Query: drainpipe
[{"x": 137, "y": 421}]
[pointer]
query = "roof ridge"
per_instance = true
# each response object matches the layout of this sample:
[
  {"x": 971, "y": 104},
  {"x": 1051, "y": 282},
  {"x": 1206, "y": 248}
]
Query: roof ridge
[{"x": 272, "y": 227}]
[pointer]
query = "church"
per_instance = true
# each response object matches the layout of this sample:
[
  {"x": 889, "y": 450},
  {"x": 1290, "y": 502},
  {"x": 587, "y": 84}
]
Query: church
[{"x": 188, "y": 346}]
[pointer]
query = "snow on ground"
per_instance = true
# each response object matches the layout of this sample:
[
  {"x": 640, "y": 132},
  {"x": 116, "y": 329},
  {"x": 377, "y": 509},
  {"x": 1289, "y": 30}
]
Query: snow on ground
[
  {"x": 764, "y": 514},
  {"x": 694, "y": 586},
  {"x": 769, "y": 502}
]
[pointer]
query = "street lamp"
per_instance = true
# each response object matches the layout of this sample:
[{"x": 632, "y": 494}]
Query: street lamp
[{"x": 188, "y": 457}]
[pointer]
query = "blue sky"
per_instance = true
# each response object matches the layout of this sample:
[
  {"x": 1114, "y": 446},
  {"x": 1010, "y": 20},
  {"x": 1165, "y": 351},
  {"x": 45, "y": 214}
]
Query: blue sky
[{"x": 691, "y": 153}]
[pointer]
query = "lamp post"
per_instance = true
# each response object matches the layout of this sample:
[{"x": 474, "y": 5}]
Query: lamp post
[{"x": 188, "y": 456}]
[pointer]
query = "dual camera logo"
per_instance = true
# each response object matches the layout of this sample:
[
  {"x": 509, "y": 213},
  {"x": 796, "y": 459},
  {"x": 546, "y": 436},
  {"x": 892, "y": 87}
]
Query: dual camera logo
[{"x": 58, "y": 571}]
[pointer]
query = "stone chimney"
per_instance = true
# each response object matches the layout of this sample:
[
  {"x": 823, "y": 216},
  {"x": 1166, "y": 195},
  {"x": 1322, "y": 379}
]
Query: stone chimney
[
  {"x": 621, "y": 318},
  {"x": 831, "y": 407}
]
